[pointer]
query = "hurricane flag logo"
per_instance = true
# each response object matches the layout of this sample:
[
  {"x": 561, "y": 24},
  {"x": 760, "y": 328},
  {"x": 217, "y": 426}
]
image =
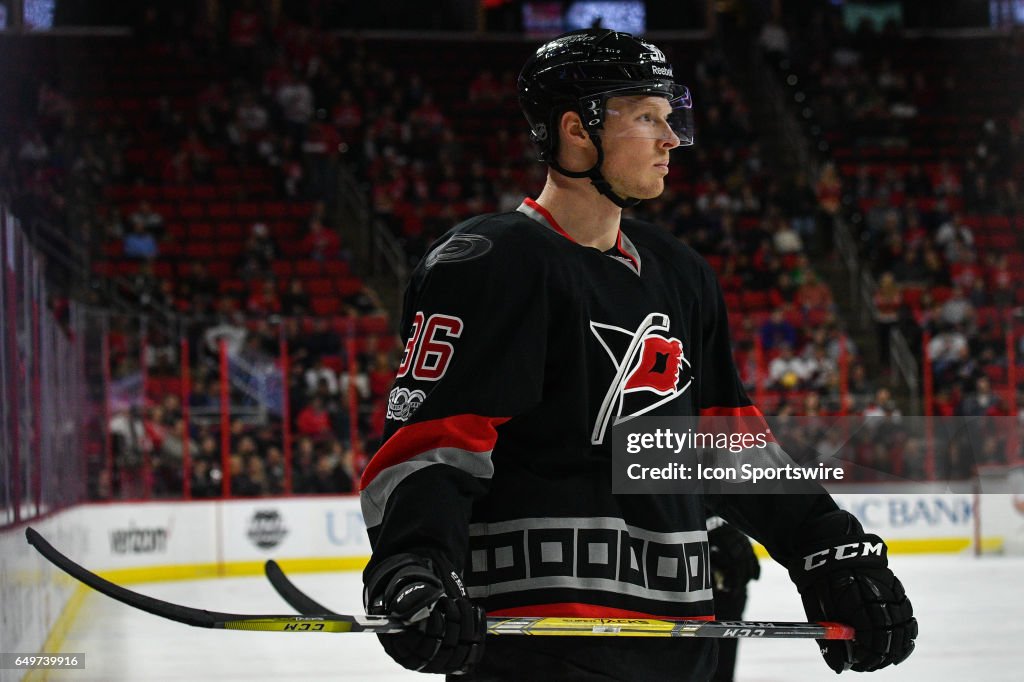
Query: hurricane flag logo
[{"x": 650, "y": 370}]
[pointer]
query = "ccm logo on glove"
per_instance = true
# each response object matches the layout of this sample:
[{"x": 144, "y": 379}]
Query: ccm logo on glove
[{"x": 850, "y": 551}]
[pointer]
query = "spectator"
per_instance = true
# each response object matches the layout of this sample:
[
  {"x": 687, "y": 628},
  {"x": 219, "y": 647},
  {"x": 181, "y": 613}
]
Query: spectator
[
  {"x": 1001, "y": 282},
  {"x": 774, "y": 40},
  {"x": 245, "y": 33},
  {"x": 242, "y": 484},
  {"x": 264, "y": 301},
  {"x": 957, "y": 310},
  {"x": 347, "y": 116},
  {"x": 777, "y": 331},
  {"x": 484, "y": 88},
  {"x": 785, "y": 240},
  {"x": 303, "y": 465},
  {"x": 887, "y": 300},
  {"x": 983, "y": 402},
  {"x": 295, "y": 300},
  {"x": 361, "y": 383},
  {"x": 322, "y": 340},
  {"x": 314, "y": 420},
  {"x": 33, "y": 149},
  {"x": 325, "y": 479},
  {"x": 250, "y": 126},
  {"x": 829, "y": 190},
  {"x": 859, "y": 383},
  {"x": 951, "y": 231},
  {"x": 909, "y": 269},
  {"x": 295, "y": 98},
  {"x": 199, "y": 285},
  {"x": 140, "y": 243},
  {"x": 381, "y": 375},
  {"x": 274, "y": 470},
  {"x": 320, "y": 377},
  {"x": 321, "y": 242},
  {"x": 820, "y": 369},
  {"x": 788, "y": 371},
  {"x": 148, "y": 218},
  {"x": 946, "y": 348},
  {"x": 346, "y": 472},
  {"x": 936, "y": 274},
  {"x": 258, "y": 252},
  {"x": 813, "y": 294},
  {"x": 256, "y": 471},
  {"x": 205, "y": 478},
  {"x": 883, "y": 407}
]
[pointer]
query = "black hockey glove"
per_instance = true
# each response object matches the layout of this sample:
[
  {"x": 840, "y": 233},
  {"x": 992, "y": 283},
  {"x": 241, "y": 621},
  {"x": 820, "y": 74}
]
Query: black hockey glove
[
  {"x": 447, "y": 630},
  {"x": 733, "y": 562},
  {"x": 843, "y": 576}
]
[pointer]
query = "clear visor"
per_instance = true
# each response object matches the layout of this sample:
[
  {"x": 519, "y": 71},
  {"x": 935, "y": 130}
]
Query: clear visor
[{"x": 652, "y": 117}]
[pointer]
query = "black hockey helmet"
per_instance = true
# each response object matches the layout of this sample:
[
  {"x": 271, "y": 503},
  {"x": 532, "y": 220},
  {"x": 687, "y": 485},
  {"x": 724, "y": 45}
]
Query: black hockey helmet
[{"x": 580, "y": 71}]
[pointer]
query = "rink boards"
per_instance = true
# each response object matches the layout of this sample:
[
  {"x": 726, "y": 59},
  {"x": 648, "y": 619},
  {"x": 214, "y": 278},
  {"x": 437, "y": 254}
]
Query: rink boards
[{"x": 154, "y": 541}]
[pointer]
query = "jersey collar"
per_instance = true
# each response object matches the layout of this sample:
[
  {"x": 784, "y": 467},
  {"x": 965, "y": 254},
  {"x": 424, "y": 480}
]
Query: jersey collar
[{"x": 623, "y": 251}]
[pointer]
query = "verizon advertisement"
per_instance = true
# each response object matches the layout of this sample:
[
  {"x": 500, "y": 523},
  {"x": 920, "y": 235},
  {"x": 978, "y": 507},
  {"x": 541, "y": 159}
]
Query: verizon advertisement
[{"x": 144, "y": 535}]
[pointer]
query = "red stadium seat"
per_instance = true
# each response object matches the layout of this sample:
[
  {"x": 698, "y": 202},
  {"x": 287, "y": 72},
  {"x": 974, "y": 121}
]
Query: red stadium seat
[
  {"x": 326, "y": 305},
  {"x": 912, "y": 297},
  {"x": 756, "y": 300},
  {"x": 337, "y": 268},
  {"x": 201, "y": 250},
  {"x": 221, "y": 210},
  {"x": 320, "y": 287},
  {"x": 282, "y": 269},
  {"x": 191, "y": 210}
]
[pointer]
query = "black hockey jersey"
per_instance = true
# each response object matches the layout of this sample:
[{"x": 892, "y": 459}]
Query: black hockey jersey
[{"x": 521, "y": 348}]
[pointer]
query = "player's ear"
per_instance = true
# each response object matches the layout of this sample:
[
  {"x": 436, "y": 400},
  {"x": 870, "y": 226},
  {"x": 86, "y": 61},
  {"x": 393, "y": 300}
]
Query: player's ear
[{"x": 570, "y": 129}]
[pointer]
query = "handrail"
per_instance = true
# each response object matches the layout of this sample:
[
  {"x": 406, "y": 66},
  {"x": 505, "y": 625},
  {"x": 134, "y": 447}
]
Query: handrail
[
  {"x": 904, "y": 362},
  {"x": 380, "y": 248},
  {"x": 846, "y": 247}
]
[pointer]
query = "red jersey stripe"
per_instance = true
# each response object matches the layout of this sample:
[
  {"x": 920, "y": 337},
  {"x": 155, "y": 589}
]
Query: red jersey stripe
[
  {"x": 747, "y": 420},
  {"x": 745, "y": 411},
  {"x": 470, "y": 432}
]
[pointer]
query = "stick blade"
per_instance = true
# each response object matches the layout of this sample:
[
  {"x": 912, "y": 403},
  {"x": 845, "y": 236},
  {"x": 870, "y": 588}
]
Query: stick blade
[
  {"x": 157, "y": 607},
  {"x": 295, "y": 597}
]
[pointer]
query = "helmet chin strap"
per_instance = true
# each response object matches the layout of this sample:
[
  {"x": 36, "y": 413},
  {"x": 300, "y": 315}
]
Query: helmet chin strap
[{"x": 596, "y": 178}]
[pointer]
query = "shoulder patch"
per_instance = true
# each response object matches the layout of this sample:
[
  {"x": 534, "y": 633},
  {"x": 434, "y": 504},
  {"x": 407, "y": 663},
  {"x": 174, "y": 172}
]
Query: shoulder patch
[{"x": 459, "y": 247}]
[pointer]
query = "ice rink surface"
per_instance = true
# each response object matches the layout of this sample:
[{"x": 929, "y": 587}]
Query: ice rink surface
[{"x": 971, "y": 614}]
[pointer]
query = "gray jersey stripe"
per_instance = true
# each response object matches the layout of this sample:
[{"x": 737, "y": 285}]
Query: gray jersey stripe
[{"x": 375, "y": 496}]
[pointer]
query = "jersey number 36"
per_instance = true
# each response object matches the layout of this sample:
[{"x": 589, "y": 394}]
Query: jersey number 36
[{"x": 428, "y": 353}]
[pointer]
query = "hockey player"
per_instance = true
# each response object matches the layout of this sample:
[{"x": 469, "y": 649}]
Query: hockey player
[{"x": 525, "y": 333}]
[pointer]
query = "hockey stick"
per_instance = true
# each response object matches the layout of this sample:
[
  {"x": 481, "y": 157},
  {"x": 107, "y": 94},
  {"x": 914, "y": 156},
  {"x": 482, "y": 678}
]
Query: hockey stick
[
  {"x": 636, "y": 627},
  {"x": 212, "y": 619},
  {"x": 332, "y": 622}
]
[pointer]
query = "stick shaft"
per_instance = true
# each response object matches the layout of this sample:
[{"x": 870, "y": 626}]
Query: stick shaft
[{"x": 629, "y": 627}]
